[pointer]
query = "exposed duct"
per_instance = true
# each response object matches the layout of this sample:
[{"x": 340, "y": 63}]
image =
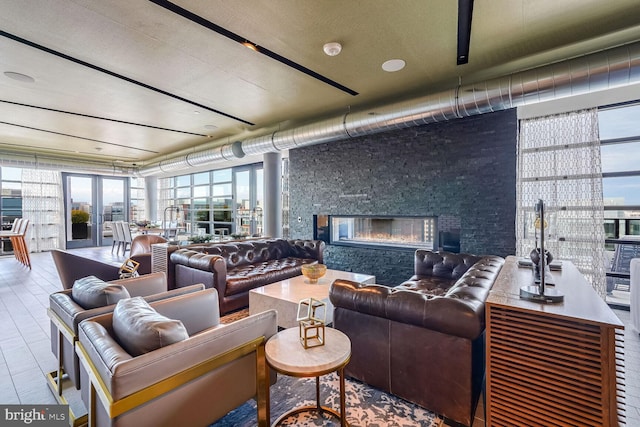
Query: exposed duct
[
  {"x": 607, "y": 69},
  {"x": 41, "y": 161}
]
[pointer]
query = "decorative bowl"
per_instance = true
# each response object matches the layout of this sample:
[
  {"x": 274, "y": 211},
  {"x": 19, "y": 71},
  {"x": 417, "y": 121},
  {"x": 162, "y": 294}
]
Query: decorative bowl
[{"x": 313, "y": 271}]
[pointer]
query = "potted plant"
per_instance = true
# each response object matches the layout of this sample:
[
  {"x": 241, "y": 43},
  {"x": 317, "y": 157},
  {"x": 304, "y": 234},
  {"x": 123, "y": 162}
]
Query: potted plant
[
  {"x": 201, "y": 239},
  {"x": 79, "y": 224}
]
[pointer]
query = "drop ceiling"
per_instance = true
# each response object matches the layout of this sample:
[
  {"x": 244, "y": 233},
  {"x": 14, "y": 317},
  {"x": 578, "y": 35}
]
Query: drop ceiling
[{"x": 136, "y": 82}]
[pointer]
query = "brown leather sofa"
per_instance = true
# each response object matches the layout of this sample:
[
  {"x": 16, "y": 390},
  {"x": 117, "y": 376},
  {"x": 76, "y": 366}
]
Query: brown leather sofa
[
  {"x": 236, "y": 268},
  {"x": 192, "y": 382},
  {"x": 424, "y": 339}
]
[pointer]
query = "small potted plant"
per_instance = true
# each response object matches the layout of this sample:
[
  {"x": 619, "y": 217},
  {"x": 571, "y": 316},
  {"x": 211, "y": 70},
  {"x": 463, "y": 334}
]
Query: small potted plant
[
  {"x": 79, "y": 224},
  {"x": 201, "y": 239}
]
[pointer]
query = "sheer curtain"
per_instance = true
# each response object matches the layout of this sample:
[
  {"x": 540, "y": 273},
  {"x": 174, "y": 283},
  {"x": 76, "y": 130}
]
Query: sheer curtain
[
  {"x": 42, "y": 204},
  {"x": 559, "y": 162}
]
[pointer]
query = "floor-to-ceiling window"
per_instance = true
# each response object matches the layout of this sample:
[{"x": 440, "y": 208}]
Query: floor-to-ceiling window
[
  {"x": 222, "y": 202},
  {"x": 10, "y": 201},
  {"x": 203, "y": 202},
  {"x": 620, "y": 148},
  {"x": 137, "y": 211}
]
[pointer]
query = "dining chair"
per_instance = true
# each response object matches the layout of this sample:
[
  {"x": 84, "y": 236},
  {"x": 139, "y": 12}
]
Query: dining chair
[
  {"x": 8, "y": 234},
  {"x": 127, "y": 238},
  {"x": 118, "y": 238},
  {"x": 20, "y": 249}
]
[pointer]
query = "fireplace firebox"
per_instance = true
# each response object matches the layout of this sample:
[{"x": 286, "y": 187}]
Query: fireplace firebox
[{"x": 384, "y": 231}]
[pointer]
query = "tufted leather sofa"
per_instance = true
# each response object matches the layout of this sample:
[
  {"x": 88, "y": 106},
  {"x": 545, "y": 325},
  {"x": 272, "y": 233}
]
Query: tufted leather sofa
[
  {"x": 236, "y": 268},
  {"x": 424, "y": 339}
]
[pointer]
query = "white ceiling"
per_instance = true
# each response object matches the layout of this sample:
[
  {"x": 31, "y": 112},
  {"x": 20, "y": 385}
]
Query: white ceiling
[{"x": 134, "y": 82}]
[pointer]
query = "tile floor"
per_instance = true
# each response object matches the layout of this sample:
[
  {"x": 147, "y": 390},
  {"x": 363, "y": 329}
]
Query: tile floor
[{"x": 25, "y": 353}]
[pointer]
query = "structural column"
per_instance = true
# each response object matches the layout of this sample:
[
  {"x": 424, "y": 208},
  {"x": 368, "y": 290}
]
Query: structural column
[
  {"x": 151, "y": 198},
  {"x": 272, "y": 174}
]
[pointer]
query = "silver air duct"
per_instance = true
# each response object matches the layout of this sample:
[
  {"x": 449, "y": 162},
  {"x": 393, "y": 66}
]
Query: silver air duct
[
  {"x": 599, "y": 71},
  {"x": 197, "y": 158},
  {"x": 40, "y": 161}
]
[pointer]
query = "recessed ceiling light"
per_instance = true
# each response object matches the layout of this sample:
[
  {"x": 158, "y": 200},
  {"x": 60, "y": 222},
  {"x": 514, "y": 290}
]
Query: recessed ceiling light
[
  {"x": 210, "y": 127},
  {"x": 332, "y": 49},
  {"x": 393, "y": 65},
  {"x": 19, "y": 77}
]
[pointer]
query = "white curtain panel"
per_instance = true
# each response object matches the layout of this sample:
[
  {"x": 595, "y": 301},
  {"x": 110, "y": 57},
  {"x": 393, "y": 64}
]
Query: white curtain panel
[
  {"x": 559, "y": 162},
  {"x": 42, "y": 204}
]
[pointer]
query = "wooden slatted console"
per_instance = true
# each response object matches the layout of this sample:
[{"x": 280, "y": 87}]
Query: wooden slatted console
[{"x": 552, "y": 364}]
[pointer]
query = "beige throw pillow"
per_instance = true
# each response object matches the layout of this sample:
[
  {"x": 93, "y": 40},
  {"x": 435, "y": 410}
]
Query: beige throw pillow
[
  {"x": 140, "y": 329},
  {"x": 91, "y": 292}
]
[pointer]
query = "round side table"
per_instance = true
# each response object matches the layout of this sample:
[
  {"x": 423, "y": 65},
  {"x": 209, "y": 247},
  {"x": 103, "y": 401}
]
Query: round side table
[{"x": 284, "y": 353}]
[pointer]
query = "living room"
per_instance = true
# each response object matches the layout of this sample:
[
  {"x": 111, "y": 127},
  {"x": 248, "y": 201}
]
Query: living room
[{"x": 449, "y": 154}]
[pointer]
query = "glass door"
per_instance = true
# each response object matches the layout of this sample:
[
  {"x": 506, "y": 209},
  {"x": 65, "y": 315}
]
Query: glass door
[
  {"x": 92, "y": 204},
  {"x": 249, "y": 197},
  {"x": 242, "y": 195},
  {"x": 112, "y": 207}
]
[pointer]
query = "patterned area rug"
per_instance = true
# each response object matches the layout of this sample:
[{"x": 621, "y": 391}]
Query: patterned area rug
[
  {"x": 366, "y": 406},
  {"x": 234, "y": 315}
]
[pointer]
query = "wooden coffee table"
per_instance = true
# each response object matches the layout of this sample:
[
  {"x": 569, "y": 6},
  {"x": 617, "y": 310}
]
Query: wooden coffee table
[
  {"x": 284, "y": 353},
  {"x": 285, "y": 295}
]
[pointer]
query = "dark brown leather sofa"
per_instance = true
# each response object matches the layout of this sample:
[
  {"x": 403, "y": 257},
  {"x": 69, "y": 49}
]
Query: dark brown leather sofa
[
  {"x": 424, "y": 339},
  {"x": 236, "y": 268}
]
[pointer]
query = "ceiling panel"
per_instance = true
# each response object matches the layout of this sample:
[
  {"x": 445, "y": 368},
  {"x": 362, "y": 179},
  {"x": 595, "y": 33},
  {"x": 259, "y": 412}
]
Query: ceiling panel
[{"x": 144, "y": 83}]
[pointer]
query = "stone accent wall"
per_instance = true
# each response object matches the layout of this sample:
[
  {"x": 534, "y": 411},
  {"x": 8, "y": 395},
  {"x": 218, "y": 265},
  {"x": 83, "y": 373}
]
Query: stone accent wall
[{"x": 462, "y": 171}]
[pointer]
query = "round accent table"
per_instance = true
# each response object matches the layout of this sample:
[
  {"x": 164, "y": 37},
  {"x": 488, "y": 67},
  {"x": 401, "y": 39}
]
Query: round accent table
[{"x": 284, "y": 353}]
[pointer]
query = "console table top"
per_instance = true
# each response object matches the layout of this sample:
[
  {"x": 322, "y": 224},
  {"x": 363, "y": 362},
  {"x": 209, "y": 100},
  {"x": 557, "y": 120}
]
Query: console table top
[{"x": 581, "y": 301}]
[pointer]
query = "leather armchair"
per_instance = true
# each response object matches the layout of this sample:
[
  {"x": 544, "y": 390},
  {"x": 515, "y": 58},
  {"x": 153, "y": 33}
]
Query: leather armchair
[
  {"x": 192, "y": 382},
  {"x": 65, "y": 316},
  {"x": 141, "y": 250},
  {"x": 72, "y": 267}
]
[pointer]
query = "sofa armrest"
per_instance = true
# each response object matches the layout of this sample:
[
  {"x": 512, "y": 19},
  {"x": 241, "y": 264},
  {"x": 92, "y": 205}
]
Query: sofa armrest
[
  {"x": 124, "y": 375},
  {"x": 206, "y": 262},
  {"x": 372, "y": 300}
]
